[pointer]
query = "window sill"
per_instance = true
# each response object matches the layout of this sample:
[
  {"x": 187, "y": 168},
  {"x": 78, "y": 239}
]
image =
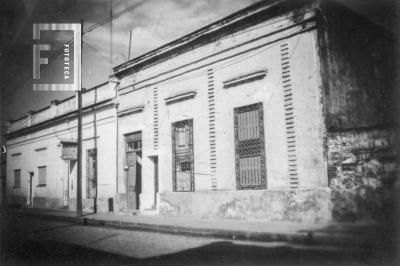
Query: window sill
[
  {"x": 41, "y": 185},
  {"x": 16, "y": 186}
]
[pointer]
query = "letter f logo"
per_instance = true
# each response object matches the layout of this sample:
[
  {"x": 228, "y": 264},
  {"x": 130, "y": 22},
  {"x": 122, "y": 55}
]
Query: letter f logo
[
  {"x": 37, "y": 60},
  {"x": 70, "y": 67}
]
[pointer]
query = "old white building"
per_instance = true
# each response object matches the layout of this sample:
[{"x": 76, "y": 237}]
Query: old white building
[
  {"x": 42, "y": 150},
  {"x": 231, "y": 118},
  {"x": 239, "y": 119}
]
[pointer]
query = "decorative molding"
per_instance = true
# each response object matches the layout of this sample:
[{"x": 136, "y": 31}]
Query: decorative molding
[
  {"x": 41, "y": 149},
  {"x": 180, "y": 97},
  {"x": 136, "y": 109},
  {"x": 16, "y": 154},
  {"x": 245, "y": 78},
  {"x": 155, "y": 118},
  {"x": 289, "y": 117},
  {"x": 59, "y": 119},
  {"x": 211, "y": 127}
]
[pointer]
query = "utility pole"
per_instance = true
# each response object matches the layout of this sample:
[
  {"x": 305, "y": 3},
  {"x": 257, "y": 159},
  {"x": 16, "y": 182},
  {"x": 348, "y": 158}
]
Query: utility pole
[
  {"x": 79, "y": 159},
  {"x": 111, "y": 40},
  {"x": 130, "y": 43},
  {"x": 79, "y": 155}
]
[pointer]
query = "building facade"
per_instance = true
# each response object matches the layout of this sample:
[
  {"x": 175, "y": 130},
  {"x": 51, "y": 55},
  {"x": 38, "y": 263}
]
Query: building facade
[
  {"x": 260, "y": 116},
  {"x": 42, "y": 154}
]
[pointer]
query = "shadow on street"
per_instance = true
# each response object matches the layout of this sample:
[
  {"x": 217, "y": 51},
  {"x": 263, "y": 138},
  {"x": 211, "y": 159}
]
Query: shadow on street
[
  {"x": 219, "y": 253},
  {"x": 22, "y": 245}
]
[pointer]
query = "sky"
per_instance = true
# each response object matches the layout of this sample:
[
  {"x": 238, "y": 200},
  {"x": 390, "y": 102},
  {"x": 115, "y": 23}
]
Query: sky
[{"x": 153, "y": 23}]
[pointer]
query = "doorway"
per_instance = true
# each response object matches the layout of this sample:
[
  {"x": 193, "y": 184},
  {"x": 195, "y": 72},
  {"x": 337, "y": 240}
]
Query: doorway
[
  {"x": 154, "y": 159},
  {"x": 91, "y": 173},
  {"x": 133, "y": 168},
  {"x": 67, "y": 182},
  {"x": 30, "y": 189}
]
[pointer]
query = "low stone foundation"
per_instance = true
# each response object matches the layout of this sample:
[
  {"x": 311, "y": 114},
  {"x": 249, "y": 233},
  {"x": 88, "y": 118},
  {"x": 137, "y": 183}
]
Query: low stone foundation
[
  {"x": 38, "y": 202},
  {"x": 120, "y": 202},
  {"x": 103, "y": 204},
  {"x": 299, "y": 206},
  {"x": 47, "y": 203},
  {"x": 17, "y": 201}
]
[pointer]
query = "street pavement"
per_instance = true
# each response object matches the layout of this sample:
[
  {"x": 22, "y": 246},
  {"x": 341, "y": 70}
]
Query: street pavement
[{"x": 31, "y": 241}]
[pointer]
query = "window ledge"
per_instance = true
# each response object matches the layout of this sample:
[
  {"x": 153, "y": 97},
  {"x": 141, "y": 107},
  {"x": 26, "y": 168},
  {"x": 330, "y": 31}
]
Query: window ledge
[
  {"x": 42, "y": 185},
  {"x": 245, "y": 78},
  {"x": 136, "y": 109},
  {"x": 180, "y": 97},
  {"x": 16, "y": 186}
]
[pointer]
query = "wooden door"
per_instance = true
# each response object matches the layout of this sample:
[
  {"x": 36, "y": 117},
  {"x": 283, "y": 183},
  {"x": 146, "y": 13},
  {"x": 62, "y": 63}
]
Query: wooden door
[
  {"x": 66, "y": 186},
  {"x": 133, "y": 153},
  {"x": 30, "y": 189},
  {"x": 131, "y": 202},
  {"x": 91, "y": 173}
]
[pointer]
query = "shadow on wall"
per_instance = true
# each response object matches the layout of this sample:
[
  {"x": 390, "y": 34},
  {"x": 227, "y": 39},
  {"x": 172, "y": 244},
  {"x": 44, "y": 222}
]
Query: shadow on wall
[
  {"x": 364, "y": 174},
  {"x": 364, "y": 191}
]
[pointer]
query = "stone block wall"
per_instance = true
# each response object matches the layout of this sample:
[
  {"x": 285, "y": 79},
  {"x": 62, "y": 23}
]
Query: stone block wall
[{"x": 363, "y": 171}]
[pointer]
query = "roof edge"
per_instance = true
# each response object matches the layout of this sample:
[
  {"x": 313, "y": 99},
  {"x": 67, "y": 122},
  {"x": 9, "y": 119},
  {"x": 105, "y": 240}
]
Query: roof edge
[{"x": 206, "y": 30}]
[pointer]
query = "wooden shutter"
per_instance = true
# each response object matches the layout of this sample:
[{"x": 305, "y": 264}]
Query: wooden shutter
[
  {"x": 249, "y": 147},
  {"x": 42, "y": 175},
  {"x": 17, "y": 178}
]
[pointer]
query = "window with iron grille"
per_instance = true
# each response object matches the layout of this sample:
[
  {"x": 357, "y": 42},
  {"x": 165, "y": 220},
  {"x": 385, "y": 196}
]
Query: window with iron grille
[
  {"x": 17, "y": 178},
  {"x": 42, "y": 175},
  {"x": 182, "y": 156},
  {"x": 249, "y": 147}
]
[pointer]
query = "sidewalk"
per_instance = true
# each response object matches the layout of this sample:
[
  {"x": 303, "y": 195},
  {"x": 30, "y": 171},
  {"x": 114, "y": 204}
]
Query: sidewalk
[{"x": 342, "y": 235}]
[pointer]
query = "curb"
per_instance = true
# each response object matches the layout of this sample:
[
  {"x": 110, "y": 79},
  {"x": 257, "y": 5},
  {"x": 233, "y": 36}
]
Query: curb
[{"x": 333, "y": 239}]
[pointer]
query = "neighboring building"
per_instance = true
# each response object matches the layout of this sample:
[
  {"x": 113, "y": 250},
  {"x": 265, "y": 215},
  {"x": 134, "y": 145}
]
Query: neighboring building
[
  {"x": 273, "y": 113},
  {"x": 3, "y": 164},
  {"x": 42, "y": 153}
]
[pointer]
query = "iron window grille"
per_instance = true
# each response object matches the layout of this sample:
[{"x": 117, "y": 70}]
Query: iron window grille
[
  {"x": 249, "y": 147},
  {"x": 182, "y": 156}
]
